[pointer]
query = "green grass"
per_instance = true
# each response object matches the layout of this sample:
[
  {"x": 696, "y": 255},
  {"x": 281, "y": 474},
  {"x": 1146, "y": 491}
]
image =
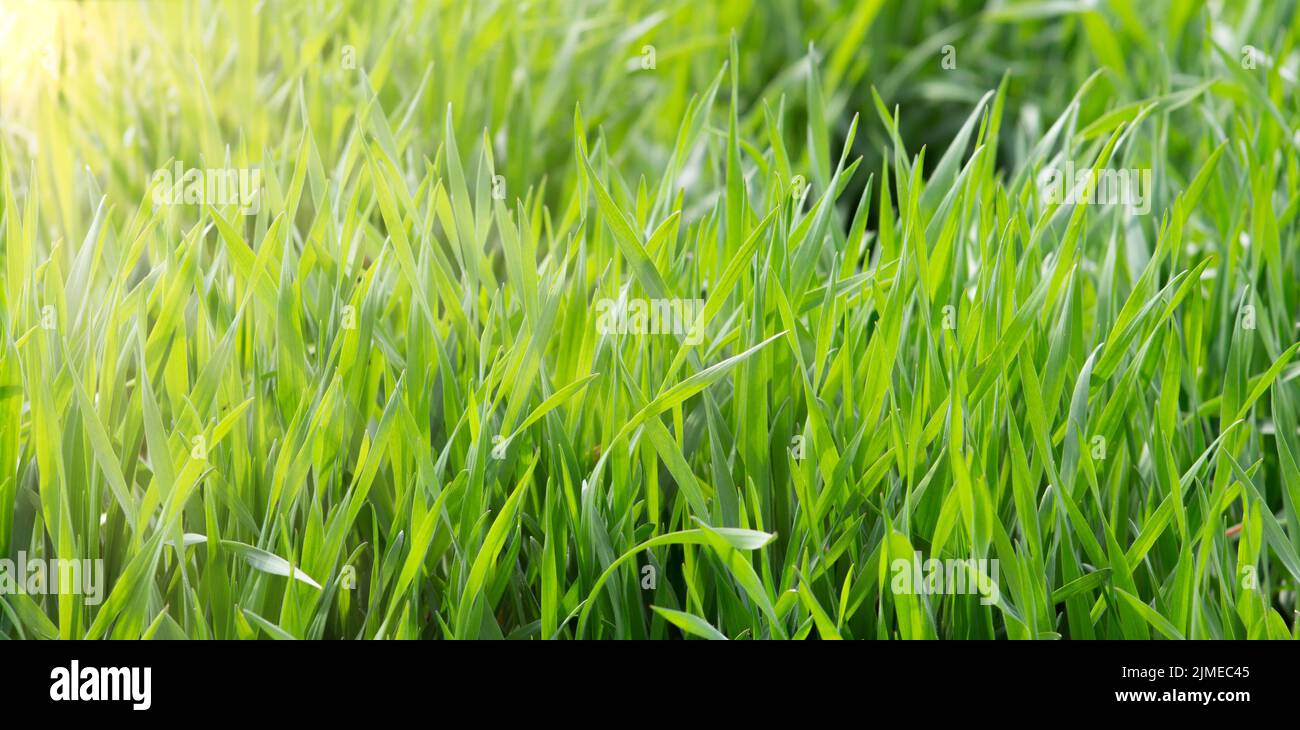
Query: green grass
[{"x": 385, "y": 406}]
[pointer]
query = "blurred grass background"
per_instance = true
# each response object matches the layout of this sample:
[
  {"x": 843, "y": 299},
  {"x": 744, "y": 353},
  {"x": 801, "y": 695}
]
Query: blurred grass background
[{"x": 100, "y": 93}]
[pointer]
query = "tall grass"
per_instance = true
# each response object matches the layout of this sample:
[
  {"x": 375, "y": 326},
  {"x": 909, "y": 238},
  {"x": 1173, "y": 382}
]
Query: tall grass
[{"x": 385, "y": 404}]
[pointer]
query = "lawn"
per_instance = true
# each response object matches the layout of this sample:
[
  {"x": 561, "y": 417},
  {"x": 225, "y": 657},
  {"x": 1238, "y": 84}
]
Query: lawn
[{"x": 622, "y": 320}]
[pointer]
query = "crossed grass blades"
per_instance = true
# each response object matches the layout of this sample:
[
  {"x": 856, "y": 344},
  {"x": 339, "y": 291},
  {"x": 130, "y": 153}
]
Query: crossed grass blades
[{"x": 381, "y": 408}]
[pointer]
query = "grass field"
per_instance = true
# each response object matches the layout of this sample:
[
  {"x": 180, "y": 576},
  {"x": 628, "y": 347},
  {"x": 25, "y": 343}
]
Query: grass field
[{"x": 632, "y": 319}]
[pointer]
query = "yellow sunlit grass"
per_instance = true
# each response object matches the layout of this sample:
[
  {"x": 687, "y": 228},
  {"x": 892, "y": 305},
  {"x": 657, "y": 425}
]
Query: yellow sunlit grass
[{"x": 46, "y": 45}]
